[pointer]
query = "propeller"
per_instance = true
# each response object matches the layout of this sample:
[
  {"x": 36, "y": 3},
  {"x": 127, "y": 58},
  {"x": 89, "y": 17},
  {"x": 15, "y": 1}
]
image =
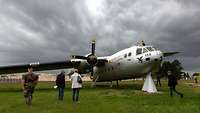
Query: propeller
[
  {"x": 93, "y": 47},
  {"x": 91, "y": 58}
]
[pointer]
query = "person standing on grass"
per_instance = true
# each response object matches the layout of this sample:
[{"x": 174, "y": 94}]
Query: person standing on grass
[
  {"x": 29, "y": 82},
  {"x": 60, "y": 83},
  {"x": 172, "y": 82},
  {"x": 76, "y": 85},
  {"x": 158, "y": 79}
]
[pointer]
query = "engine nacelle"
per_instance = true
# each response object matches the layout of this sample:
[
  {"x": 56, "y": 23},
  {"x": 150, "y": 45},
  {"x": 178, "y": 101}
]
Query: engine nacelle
[{"x": 92, "y": 60}]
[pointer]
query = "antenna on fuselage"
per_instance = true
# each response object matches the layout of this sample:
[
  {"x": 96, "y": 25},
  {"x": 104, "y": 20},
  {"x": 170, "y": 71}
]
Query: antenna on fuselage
[{"x": 141, "y": 43}]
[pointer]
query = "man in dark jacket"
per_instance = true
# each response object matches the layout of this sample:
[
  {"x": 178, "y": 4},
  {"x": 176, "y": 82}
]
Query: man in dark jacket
[
  {"x": 60, "y": 82},
  {"x": 172, "y": 82}
]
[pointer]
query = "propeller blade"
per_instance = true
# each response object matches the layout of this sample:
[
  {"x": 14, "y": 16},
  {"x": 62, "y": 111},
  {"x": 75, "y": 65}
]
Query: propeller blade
[
  {"x": 79, "y": 57},
  {"x": 93, "y": 47},
  {"x": 92, "y": 71}
]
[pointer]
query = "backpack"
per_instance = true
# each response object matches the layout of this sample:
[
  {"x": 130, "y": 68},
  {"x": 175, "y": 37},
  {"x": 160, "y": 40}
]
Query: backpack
[{"x": 79, "y": 80}]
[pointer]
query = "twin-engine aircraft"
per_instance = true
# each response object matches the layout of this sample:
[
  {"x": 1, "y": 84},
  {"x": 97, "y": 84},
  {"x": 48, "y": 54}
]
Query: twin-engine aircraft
[{"x": 136, "y": 61}]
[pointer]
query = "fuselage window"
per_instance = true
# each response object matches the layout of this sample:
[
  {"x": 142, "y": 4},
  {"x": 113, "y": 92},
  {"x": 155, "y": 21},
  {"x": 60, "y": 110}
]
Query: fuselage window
[
  {"x": 129, "y": 54},
  {"x": 145, "y": 50},
  {"x": 139, "y": 51},
  {"x": 125, "y": 55},
  {"x": 150, "y": 48}
]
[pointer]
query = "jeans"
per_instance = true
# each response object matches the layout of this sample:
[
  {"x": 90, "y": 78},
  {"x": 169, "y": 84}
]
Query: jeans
[
  {"x": 158, "y": 82},
  {"x": 28, "y": 92},
  {"x": 173, "y": 88},
  {"x": 75, "y": 94},
  {"x": 28, "y": 95},
  {"x": 60, "y": 93}
]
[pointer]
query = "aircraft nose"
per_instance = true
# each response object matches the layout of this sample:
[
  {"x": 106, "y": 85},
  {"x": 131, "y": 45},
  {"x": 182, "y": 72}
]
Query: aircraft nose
[
  {"x": 161, "y": 55},
  {"x": 158, "y": 56}
]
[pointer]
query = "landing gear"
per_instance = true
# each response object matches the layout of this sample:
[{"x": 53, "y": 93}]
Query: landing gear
[
  {"x": 111, "y": 84},
  {"x": 94, "y": 82},
  {"x": 149, "y": 85},
  {"x": 117, "y": 83}
]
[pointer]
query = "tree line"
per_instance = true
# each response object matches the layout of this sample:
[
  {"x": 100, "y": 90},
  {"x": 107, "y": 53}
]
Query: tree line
[{"x": 174, "y": 66}]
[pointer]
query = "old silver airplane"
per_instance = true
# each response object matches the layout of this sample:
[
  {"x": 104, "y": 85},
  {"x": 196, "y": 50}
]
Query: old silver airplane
[{"x": 133, "y": 62}]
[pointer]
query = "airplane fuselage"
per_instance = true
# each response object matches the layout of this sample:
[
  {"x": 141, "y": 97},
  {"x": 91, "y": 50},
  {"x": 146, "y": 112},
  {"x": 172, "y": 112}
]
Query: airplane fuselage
[{"x": 129, "y": 63}]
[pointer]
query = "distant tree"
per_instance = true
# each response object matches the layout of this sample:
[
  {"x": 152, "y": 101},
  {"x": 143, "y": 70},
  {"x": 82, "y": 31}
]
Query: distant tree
[
  {"x": 195, "y": 74},
  {"x": 185, "y": 75},
  {"x": 166, "y": 65},
  {"x": 174, "y": 66},
  {"x": 177, "y": 68}
]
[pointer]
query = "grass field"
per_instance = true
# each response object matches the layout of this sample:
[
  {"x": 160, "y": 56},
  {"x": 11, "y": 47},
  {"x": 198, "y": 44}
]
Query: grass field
[{"x": 127, "y": 98}]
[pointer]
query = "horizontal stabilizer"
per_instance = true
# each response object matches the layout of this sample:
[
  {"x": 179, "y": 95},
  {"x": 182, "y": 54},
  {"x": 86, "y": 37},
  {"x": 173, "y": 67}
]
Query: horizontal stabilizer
[{"x": 166, "y": 54}]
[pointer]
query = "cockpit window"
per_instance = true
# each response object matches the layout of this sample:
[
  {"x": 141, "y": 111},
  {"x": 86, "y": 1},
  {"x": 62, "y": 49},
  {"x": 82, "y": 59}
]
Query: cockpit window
[
  {"x": 155, "y": 48},
  {"x": 139, "y": 51},
  {"x": 150, "y": 48},
  {"x": 145, "y": 50},
  {"x": 129, "y": 54},
  {"x": 125, "y": 55}
]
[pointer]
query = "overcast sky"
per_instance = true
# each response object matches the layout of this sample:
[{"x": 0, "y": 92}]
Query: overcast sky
[{"x": 51, "y": 30}]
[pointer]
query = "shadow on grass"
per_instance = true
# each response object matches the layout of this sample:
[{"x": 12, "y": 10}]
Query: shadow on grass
[
  {"x": 48, "y": 86},
  {"x": 120, "y": 86},
  {"x": 123, "y": 85}
]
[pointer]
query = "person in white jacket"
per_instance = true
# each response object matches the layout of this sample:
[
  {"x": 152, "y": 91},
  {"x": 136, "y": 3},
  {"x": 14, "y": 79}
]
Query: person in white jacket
[{"x": 75, "y": 85}]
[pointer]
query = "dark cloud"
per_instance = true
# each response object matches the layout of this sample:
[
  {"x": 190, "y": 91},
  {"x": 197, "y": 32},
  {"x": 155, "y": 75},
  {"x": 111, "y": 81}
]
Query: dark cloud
[{"x": 51, "y": 30}]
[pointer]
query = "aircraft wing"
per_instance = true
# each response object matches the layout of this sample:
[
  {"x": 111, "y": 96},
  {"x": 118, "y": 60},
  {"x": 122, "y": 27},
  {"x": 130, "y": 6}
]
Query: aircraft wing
[
  {"x": 166, "y": 54},
  {"x": 39, "y": 66}
]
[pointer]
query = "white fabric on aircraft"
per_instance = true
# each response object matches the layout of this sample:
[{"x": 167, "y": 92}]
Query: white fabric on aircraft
[{"x": 149, "y": 85}]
